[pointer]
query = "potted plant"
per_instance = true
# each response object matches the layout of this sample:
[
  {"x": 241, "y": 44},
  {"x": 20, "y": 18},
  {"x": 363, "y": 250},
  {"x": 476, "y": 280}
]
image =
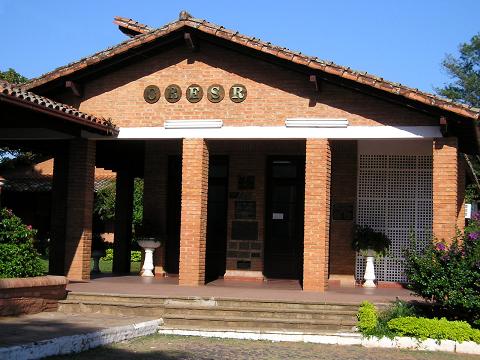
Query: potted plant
[
  {"x": 98, "y": 251},
  {"x": 370, "y": 243},
  {"x": 149, "y": 244}
]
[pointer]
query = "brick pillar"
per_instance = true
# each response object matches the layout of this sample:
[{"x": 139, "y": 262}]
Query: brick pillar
[
  {"x": 194, "y": 212},
  {"x": 155, "y": 199},
  {"x": 445, "y": 188},
  {"x": 317, "y": 215},
  {"x": 79, "y": 208},
  {"x": 123, "y": 222}
]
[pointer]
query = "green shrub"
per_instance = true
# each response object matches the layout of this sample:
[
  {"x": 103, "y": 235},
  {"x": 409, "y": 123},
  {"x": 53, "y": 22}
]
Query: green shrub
[
  {"x": 367, "y": 318},
  {"x": 19, "y": 260},
  {"x": 136, "y": 256},
  {"x": 18, "y": 257},
  {"x": 366, "y": 238},
  {"x": 438, "y": 329},
  {"x": 13, "y": 230},
  {"x": 449, "y": 275}
]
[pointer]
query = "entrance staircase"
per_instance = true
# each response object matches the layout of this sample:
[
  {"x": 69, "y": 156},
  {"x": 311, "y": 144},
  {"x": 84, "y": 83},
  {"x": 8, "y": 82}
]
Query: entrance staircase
[{"x": 192, "y": 313}]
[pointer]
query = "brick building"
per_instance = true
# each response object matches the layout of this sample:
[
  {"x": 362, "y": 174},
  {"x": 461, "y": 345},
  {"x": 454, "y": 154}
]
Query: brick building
[{"x": 257, "y": 161}]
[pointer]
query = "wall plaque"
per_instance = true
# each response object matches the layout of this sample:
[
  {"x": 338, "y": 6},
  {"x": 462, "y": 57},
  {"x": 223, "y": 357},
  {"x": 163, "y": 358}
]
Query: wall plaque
[
  {"x": 244, "y": 230},
  {"x": 246, "y": 210},
  {"x": 194, "y": 93},
  {"x": 173, "y": 93},
  {"x": 151, "y": 94},
  {"x": 215, "y": 93},
  {"x": 238, "y": 93}
]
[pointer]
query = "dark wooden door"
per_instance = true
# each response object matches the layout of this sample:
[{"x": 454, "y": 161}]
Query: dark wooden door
[{"x": 284, "y": 217}]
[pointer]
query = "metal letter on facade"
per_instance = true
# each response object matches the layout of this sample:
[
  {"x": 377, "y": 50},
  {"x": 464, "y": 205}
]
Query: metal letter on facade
[
  {"x": 151, "y": 94},
  {"x": 173, "y": 93},
  {"x": 238, "y": 93},
  {"x": 194, "y": 93},
  {"x": 215, "y": 93}
]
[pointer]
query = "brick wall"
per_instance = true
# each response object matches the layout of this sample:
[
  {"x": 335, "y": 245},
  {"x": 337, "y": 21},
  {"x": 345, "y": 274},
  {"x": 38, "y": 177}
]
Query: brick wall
[
  {"x": 79, "y": 208},
  {"x": 274, "y": 93},
  {"x": 31, "y": 295},
  {"x": 343, "y": 192},
  {"x": 194, "y": 212},
  {"x": 445, "y": 188},
  {"x": 317, "y": 214}
]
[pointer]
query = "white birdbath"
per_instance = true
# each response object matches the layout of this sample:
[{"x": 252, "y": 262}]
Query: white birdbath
[
  {"x": 369, "y": 276},
  {"x": 149, "y": 245}
]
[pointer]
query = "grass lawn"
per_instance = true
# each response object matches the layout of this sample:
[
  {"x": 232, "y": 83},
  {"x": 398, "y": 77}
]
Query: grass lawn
[{"x": 105, "y": 266}]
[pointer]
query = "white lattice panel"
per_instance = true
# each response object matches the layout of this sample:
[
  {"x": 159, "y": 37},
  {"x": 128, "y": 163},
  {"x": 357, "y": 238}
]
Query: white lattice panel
[{"x": 395, "y": 196}]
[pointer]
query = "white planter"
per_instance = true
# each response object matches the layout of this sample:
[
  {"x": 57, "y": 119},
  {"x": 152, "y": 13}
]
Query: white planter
[
  {"x": 369, "y": 276},
  {"x": 149, "y": 245}
]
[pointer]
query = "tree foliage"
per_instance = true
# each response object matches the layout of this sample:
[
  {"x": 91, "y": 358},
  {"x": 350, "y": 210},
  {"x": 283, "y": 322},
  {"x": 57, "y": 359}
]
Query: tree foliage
[
  {"x": 465, "y": 72},
  {"x": 12, "y": 76},
  {"x": 104, "y": 206}
]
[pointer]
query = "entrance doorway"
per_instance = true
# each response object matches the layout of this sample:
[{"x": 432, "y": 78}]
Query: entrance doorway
[{"x": 284, "y": 217}]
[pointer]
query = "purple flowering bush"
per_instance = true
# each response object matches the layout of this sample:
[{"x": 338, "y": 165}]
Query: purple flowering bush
[
  {"x": 18, "y": 257},
  {"x": 448, "y": 275}
]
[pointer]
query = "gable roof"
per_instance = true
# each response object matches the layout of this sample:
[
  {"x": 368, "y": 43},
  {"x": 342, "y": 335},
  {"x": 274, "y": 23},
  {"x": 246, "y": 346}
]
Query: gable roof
[
  {"x": 186, "y": 21},
  {"x": 131, "y": 27},
  {"x": 14, "y": 94}
]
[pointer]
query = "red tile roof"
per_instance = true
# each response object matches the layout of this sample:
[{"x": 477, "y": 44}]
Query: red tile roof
[
  {"x": 186, "y": 21},
  {"x": 131, "y": 27},
  {"x": 15, "y": 93}
]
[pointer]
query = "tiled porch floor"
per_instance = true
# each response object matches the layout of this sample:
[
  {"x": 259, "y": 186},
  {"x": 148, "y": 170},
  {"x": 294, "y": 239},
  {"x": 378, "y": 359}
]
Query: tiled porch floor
[{"x": 279, "y": 290}]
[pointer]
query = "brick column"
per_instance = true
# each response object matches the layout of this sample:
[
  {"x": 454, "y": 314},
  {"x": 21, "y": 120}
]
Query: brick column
[
  {"x": 155, "y": 199},
  {"x": 123, "y": 222},
  {"x": 79, "y": 207},
  {"x": 445, "y": 188},
  {"x": 194, "y": 212},
  {"x": 317, "y": 215}
]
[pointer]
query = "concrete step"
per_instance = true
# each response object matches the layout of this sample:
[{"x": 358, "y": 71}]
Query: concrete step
[
  {"x": 210, "y": 302},
  {"x": 241, "y": 323},
  {"x": 254, "y": 312},
  {"x": 134, "y": 309}
]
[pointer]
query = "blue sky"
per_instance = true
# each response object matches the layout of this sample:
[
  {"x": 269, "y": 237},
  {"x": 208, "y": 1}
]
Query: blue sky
[{"x": 400, "y": 40}]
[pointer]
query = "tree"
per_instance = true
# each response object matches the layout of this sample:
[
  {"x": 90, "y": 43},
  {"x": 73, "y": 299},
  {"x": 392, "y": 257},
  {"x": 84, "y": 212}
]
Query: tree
[
  {"x": 104, "y": 204},
  {"x": 12, "y": 76},
  {"x": 465, "y": 72}
]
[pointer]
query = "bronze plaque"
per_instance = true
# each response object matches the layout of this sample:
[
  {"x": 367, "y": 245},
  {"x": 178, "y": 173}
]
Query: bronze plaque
[
  {"x": 215, "y": 93},
  {"x": 151, "y": 94},
  {"x": 238, "y": 93},
  {"x": 173, "y": 93},
  {"x": 194, "y": 93}
]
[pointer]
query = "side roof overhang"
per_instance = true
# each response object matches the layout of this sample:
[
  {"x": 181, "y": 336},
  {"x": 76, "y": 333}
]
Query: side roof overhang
[
  {"x": 461, "y": 119},
  {"x": 22, "y": 109}
]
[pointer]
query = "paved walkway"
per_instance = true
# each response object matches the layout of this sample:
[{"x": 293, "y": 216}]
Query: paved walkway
[
  {"x": 161, "y": 347},
  {"x": 48, "y": 325},
  {"x": 279, "y": 290}
]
